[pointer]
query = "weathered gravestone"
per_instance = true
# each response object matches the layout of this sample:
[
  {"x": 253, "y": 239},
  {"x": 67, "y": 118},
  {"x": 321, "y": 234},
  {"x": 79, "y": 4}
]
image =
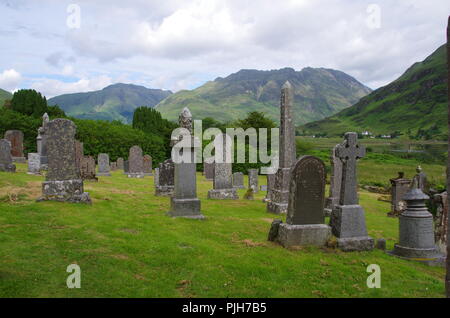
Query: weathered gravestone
[
  {"x": 305, "y": 215},
  {"x": 6, "y": 163},
  {"x": 416, "y": 236},
  {"x": 441, "y": 221},
  {"x": 34, "y": 163},
  {"x": 136, "y": 163},
  {"x": 103, "y": 165},
  {"x": 166, "y": 179},
  {"x": 113, "y": 166},
  {"x": 88, "y": 168},
  {"x": 41, "y": 141},
  {"x": 335, "y": 182},
  {"x": 399, "y": 187},
  {"x": 253, "y": 179},
  {"x": 270, "y": 182},
  {"x": 223, "y": 184},
  {"x": 126, "y": 166},
  {"x": 238, "y": 180},
  {"x": 79, "y": 154},
  {"x": 347, "y": 219},
  {"x": 420, "y": 181},
  {"x": 120, "y": 163},
  {"x": 208, "y": 168},
  {"x": 184, "y": 201},
  {"x": 156, "y": 178},
  {"x": 279, "y": 195},
  {"x": 15, "y": 137},
  {"x": 148, "y": 165},
  {"x": 63, "y": 181}
]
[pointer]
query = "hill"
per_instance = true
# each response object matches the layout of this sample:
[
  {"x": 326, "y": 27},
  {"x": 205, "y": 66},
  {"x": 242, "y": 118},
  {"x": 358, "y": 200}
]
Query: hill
[
  {"x": 114, "y": 102},
  {"x": 4, "y": 95},
  {"x": 318, "y": 93},
  {"x": 415, "y": 104}
]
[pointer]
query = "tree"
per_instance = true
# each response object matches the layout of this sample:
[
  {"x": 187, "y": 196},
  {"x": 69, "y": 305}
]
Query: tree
[{"x": 29, "y": 102}]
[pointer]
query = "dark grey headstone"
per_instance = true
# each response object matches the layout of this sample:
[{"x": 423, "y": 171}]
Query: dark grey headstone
[
  {"x": 88, "y": 168},
  {"x": 136, "y": 163},
  {"x": 273, "y": 232},
  {"x": 335, "y": 182},
  {"x": 6, "y": 163},
  {"x": 148, "y": 161},
  {"x": 126, "y": 166},
  {"x": 120, "y": 163},
  {"x": 166, "y": 178},
  {"x": 208, "y": 170}
]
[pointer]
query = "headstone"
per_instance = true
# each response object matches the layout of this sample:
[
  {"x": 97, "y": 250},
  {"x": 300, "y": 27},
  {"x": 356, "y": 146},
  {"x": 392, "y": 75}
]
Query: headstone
[
  {"x": 156, "y": 178},
  {"x": 120, "y": 163},
  {"x": 184, "y": 201},
  {"x": 113, "y": 166},
  {"x": 223, "y": 184},
  {"x": 335, "y": 183},
  {"x": 279, "y": 194},
  {"x": 148, "y": 165},
  {"x": 416, "y": 236},
  {"x": 79, "y": 154},
  {"x": 420, "y": 180},
  {"x": 34, "y": 163},
  {"x": 6, "y": 163},
  {"x": 399, "y": 187},
  {"x": 126, "y": 166},
  {"x": 270, "y": 183},
  {"x": 15, "y": 137},
  {"x": 103, "y": 165},
  {"x": 253, "y": 179},
  {"x": 208, "y": 169},
  {"x": 88, "y": 169},
  {"x": 381, "y": 244},
  {"x": 441, "y": 221},
  {"x": 42, "y": 142},
  {"x": 165, "y": 183},
  {"x": 136, "y": 163},
  {"x": 238, "y": 180},
  {"x": 63, "y": 181},
  {"x": 249, "y": 194},
  {"x": 305, "y": 215},
  {"x": 347, "y": 219}
]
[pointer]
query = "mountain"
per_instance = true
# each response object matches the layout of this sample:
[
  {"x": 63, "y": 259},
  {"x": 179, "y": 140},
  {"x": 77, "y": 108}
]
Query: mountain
[
  {"x": 318, "y": 93},
  {"x": 4, "y": 95},
  {"x": 416, "y": 100},
  {"x": 113, "y": 102}
]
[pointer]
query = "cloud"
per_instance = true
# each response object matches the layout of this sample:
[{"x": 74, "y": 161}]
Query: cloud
[{"x": 10, "y": 79}]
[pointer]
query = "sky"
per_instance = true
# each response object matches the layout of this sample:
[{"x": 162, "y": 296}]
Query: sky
[{"x": 59, "y": 47}]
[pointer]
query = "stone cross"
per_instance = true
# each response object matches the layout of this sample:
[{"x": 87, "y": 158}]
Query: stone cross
[{"x": 349, "y": 152}]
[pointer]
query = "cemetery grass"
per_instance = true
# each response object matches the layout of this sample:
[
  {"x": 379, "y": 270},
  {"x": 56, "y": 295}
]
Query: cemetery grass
[{"x": 127, "y": 247}]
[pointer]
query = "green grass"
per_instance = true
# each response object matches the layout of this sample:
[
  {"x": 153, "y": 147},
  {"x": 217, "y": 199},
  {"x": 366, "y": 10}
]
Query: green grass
[{"x": 127, "y": 247}]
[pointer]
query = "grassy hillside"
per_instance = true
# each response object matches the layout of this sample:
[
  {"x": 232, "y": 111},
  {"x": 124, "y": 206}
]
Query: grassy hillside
[
  {"x": 115, "y": 102},
  {"x": 416, "y": 100},
  {"x": 126, "y": 246},
  {"x": 318, "y": 93},
  {"x": 4, "y": 95}
]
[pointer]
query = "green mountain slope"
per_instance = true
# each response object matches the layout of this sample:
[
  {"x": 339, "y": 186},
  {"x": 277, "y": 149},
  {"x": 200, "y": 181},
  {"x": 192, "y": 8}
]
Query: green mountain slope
[
  {"x": 116, "y": 101},
  {"x": 4, "y": 95},
  {"x": 416, "y": 100},
  {"x": 318, "y": 93}
]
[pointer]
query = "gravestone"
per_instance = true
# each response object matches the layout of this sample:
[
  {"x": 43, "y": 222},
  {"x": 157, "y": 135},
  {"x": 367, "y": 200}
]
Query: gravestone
[
  {"x": 15, "y": 137},
  {"x": 441, "y": 221},
  {"x": 156, "y": 178},
  {"x": 148, "y": 165},
  {"x": 63, "y": 181},
  {"x": 126, "y": 166},
  {"x": 347, "y": 218},
  {"x": 223, "y": 184},
  {"x": 79, "y": 154},
  {"x": 335, "y": 182},
  {"x": 416, "y": 236},
  {"x": 249, "y": 194},
  {"x": 6, "y": 163},
  {"x": 399, "y": 187},
  {"x": 103, "y": 165},
  {"x": 166, "y": 179},
  {"x": 238, "y": 180},
  {"x": 184, "y": 201},
  {"x": 34, "y": 163},
  {"x": 120, "y": 163},
  {"x": 279, "y": 194},
  {"x": 208, "y": 168},
  {"x": 305, "y": 215},
  {"x": 253, "y": 179},
  {"x": 420, "y": 180},
  {"x": 113, "y": 166},
  {"x": 270, "y": 181},
  {"x": 88, "y": 169},
  {"x": 42, "y": 142},
  {"x": 136, "y": 163}
]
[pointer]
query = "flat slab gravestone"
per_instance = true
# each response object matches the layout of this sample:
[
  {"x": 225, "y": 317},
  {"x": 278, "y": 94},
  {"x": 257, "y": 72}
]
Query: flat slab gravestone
[
  {"x": 148, "y": 169},
  {"x": 208, "y": 169},
  {"x": 238, "y": 180},
  {"x": 34, "y": 163},
  {"x": 88, "y": 169},
  {"x": 120, "y": 163},
  {"x": 103, "y": 165},
  {"x": 165, "y": 182},
  {"x": 136, "y": 163}
]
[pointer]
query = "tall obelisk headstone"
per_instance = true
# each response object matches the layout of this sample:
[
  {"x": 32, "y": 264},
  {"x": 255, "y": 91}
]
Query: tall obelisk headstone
[
  {"x": 447, "y": 279},
  {"x": 347, "y": 219},
  {"x": 280, "y": 191},
  {"x": 184, "y": 202},
  {"x": 63, "y": 181}
]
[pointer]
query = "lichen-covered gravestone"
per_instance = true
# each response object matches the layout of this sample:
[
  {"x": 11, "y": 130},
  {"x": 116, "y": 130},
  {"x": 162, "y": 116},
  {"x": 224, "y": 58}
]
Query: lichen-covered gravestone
[
  {"x": 15, "y": 137},
  {"x": 165, "y": 182},
  {"x": 63, "y": 181},
  {"x": 238, "y": 180},
  {"x": 223, "y": 184},
  {"x": 88, "y": 168},
  {"x": 399, "y": 187},
  {"x": 335, "y": 182},
  {"x": 135, "y": 163},
  {"x": 253, "y": 179},
  {"x": 347, "y": 219},
  {"x": 34, "y": 163},
  {"x": 6, "y": 163},
  {"x": 305, "y": 215},
  {"x": 441, "y": 222},
  {"x": 103, "y": 165},
  {"x": 120, "y": 163},
  {"x": 148, "y": 165}
]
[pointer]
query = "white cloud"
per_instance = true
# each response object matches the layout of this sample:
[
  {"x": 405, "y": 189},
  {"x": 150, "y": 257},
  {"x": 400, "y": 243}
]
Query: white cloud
[{"x": 10, "y": 79}]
